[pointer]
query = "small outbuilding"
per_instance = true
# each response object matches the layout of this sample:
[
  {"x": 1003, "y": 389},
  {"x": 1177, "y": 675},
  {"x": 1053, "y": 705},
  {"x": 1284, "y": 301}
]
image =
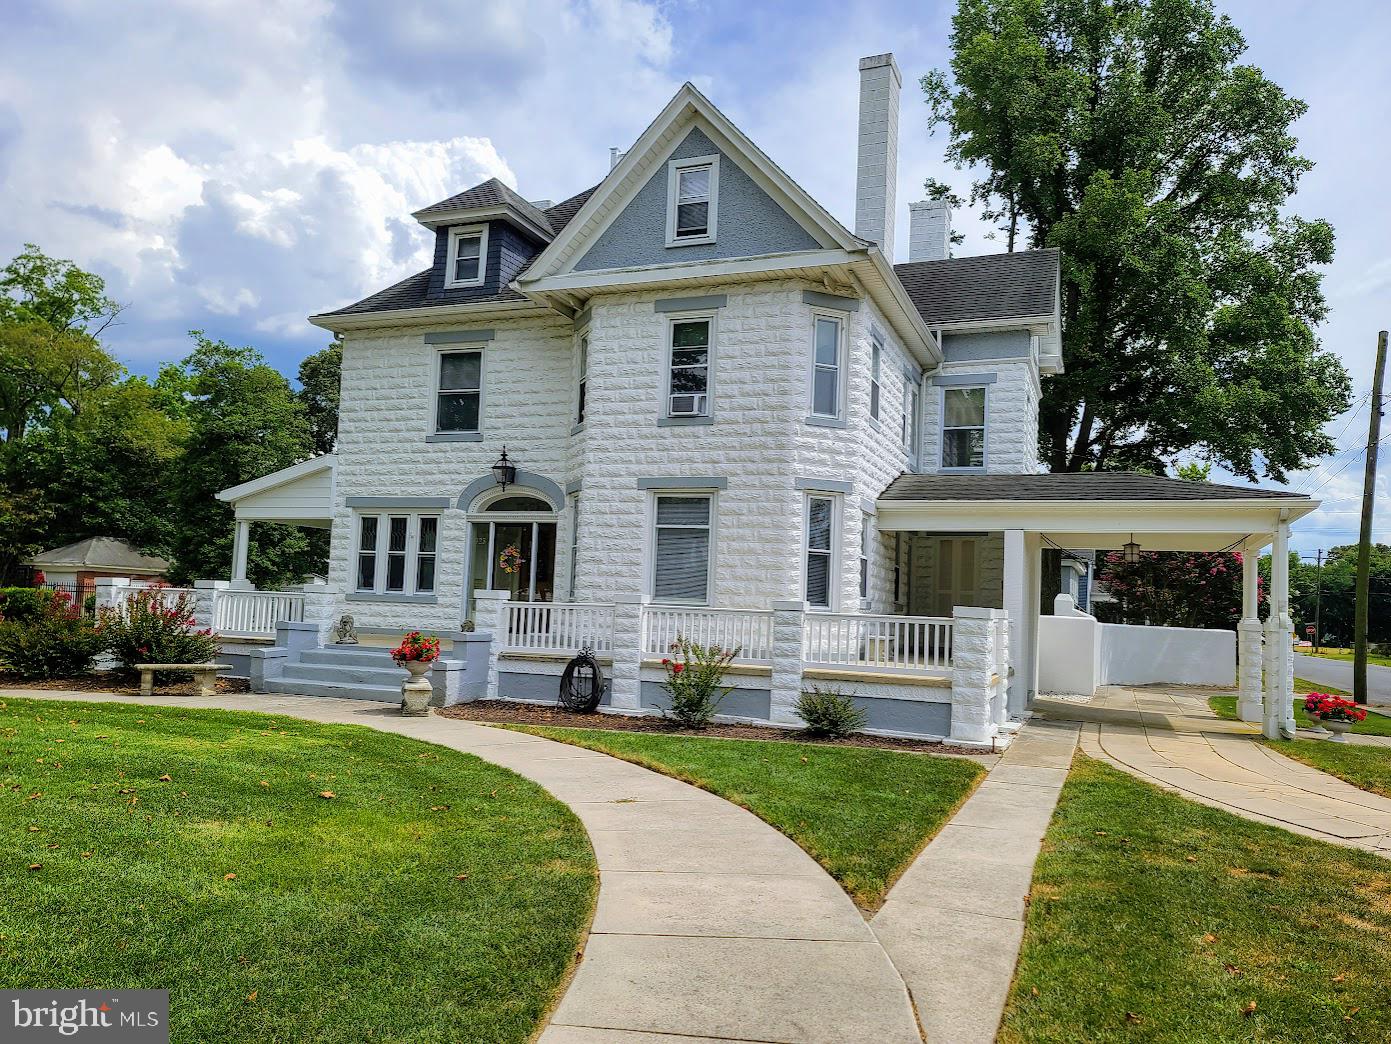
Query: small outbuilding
[{"x": 77, "y": 566}]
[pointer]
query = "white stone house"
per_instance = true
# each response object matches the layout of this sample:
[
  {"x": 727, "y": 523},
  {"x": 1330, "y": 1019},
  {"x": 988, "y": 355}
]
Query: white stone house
[{"x": 729, "y": 416}]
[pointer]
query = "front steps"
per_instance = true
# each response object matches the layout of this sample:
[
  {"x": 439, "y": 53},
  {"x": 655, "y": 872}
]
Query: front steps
[{"x": 351, "y": 672}]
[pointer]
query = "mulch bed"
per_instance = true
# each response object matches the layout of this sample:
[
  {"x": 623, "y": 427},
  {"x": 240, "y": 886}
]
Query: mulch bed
[
  {"x": 504, "y": 711},
  {"x": 114, "y": 681}
]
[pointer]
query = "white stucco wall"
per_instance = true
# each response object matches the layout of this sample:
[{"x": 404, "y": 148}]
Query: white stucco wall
[{"x": 1132, "y": 655}]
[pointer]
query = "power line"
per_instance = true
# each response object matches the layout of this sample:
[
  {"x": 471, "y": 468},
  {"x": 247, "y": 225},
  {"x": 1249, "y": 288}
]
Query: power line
[
  {"x": 1356, "y": 411},
  {"x": 1346, "y": 464}
]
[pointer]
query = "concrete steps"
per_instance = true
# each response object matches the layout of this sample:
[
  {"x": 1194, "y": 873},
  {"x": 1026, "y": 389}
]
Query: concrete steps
[
  {"x": 340, "y": 655},
  {"x": 341, "y": 690},
  {"x": 353, "y": 672}
]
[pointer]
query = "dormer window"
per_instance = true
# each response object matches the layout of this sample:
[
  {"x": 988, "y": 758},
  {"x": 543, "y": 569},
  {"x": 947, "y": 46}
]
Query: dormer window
[
  {"x": 692, "y": 197},
  {"x": 467, "y": 260}
]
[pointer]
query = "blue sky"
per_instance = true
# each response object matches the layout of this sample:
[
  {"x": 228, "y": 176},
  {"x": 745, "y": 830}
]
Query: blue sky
[{"x": 235, "y": 165}]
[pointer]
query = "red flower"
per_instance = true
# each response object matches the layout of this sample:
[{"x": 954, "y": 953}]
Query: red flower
[{"x": 677, "y": 668}]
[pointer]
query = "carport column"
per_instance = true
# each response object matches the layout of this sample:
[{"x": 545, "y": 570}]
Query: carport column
[
  {"x": 785, "y": 682},
  {"x": 1279, "y": 638},
  {"x": 1248, "y": 639},
  {"x": 1021, "y": 596},
  {"x": 490, "y": 613},
  {"x": 625, "y": 684},
  {"x": 241, "y": 546},
  {"x": 974, "y": 666}
]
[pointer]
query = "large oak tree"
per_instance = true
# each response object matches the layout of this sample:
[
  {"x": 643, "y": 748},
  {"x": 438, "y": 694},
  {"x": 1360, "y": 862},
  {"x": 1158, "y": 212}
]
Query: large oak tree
[{"x": 1128, "y": 134}]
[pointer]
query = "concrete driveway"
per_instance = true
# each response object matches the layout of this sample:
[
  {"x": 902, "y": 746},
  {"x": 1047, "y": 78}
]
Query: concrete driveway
[{"x": 1338, "y": 673}]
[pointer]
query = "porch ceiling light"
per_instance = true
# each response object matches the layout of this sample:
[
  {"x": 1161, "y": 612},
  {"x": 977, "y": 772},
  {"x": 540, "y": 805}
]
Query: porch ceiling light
[
  {"x": 504, "y": 470},
  {"x": 1131, "y": 550}
]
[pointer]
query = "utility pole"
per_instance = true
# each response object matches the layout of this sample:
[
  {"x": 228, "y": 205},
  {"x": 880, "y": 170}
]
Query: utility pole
[
  {"x": 1318, "y": 601},
  {"x": 1364, "y": 544}
]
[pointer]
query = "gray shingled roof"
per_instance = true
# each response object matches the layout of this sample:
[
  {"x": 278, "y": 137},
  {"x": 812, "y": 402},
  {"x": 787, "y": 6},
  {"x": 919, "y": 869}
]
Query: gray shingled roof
[
  {"x": 490, "y": 193},
  {"x": 991, "y": 286},
  {"x": 411, "y": 291},
  {"x": 104, "y": 553},
  {"x": 1086, "y": 485}
]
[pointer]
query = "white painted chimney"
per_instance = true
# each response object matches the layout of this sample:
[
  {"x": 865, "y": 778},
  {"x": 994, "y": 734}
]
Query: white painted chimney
[
  {"x": 876, "y": 170},
  {"x": 929, "y": 230}
]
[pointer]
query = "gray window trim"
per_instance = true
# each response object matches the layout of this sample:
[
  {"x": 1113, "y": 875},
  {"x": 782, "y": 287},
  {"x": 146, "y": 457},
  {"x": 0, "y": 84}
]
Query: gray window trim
[
  {"x": 826, "y": 422},
  {"x": 371, "y": 596},
  {"x": 835, "y": 301},
  {"x": 683, "y": 422},
  {"x": 548, "y": 490},
  {"x": 459, "y": 337},
  {"x": 574, "y": 486},
  {"x": 690, "y": 304},
  {"x": 964, "y": 380},
  {"x": 398, "y": 502},
  {"x": 455, "y": 436},
  {"x": 697, "y": 483},
  {"x": 823, "y": 485}
]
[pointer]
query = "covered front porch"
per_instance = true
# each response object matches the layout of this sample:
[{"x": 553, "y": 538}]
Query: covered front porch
[{"x": 979, "y": 540}]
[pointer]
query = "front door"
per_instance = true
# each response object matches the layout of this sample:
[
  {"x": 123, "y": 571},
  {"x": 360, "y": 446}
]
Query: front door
[
  {"x": 955, "y": 574},
  {"x": 513, "y": 554}
]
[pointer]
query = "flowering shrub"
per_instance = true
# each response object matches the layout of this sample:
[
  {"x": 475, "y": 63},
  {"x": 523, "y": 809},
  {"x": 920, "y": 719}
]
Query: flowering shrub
[
  {"x": 1332, "y": 708},
  {"x": 1173, "y": 588},
  {"x": 152, "y": 627},
  {"x": 695, "y": 676},
  {"x": 416, "y": 647},
  {"x": 829, "y": 713},
  {"x": 50, "y": 638}
]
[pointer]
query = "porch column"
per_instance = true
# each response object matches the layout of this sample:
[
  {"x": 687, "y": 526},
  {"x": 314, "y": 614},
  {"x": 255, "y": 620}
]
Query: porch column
[
  {"x": 1279, "y": 636},
  {"x": 1023, "y": 562},
  {"x": 1248, "y": 638},
  {"x": 625, "y": 672},
  {"x": 241, "y": 541}
]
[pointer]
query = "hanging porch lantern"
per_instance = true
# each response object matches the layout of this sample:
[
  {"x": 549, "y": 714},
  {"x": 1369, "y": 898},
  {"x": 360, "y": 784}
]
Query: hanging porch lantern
[
  {"x": 1131, "y": 551},
  {"x": 504, "y": 471}
]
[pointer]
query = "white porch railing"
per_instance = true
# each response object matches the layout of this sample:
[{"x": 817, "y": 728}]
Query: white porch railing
[
  {"x": 892, "y": 644},
  {"x": 120, "y": 596},
  {"x": 254, "y": 614},
  {"x": 748, "y": 630},
  {"x": 559, "y": 627}
]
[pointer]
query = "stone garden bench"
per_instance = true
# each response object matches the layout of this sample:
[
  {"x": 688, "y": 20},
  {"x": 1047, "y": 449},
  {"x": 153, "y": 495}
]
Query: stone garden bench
[{"x": 205, "y": 674}]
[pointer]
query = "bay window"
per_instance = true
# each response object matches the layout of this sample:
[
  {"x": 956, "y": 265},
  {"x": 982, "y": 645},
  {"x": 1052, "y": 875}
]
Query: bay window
[{"x": 820, "y": 551}]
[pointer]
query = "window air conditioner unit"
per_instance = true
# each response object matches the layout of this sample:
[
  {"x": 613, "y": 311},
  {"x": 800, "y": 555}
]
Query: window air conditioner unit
[{"x": 688, "y": 405}]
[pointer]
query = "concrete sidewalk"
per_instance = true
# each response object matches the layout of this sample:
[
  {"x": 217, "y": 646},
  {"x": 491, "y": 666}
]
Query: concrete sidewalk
[
  {"x": 710, "y": 924},
  {"x": 954, "y": 922}
]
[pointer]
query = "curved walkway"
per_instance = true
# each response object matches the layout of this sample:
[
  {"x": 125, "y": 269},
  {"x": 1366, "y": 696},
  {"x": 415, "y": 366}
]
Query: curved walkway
[
  {"x": 1168, "y": 736},
  {"x": 710, "y": 925}
]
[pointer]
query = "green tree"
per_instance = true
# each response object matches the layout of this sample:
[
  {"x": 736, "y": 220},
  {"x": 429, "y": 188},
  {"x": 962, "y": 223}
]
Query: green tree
[
  {"x": 244, "y": 421},
  {"x": 1127, "y": 134},
  {"x": 1338, "y": 599},
  {"x": 1172, "y": 589},
  {"x": 320, "y": 376}
]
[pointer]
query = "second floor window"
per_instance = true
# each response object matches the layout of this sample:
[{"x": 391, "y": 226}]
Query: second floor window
[
  {"x": 459, "y": 400},
  {"x": 584, "y": 378},
  {"x": 396, "y": 553},
  {"x": 826, "y": 368},
  {"x": 876, "y": 352},
  {"x": 688, "y": 388},
  {"x": 467, "y": 257},
  {"x": 963, "y": 427},
  {"x": 911, "y": 412}
]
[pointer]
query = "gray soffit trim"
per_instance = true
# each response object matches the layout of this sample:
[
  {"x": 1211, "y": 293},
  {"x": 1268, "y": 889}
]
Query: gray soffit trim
[
  {"x": 372, "y": 596},
  {"x": 823, "y": 485},
  {"x": 684, "y": 482},
  {"x": 574, "y": 486},
  {"x": 548, "y": 489},
  {"x": 820, "y": 300},
  {"x": 683, "y": 422},
  {"x": 689, "y": 304},
  {"x": 459, "y": 337},
  {"x": 398, "y": 502},
  {"x": 455, "y": 436},
  {"x": 826, "y": 422},
  {"x": 582, "y": 320},
  {"x": 963, "y": 380}
]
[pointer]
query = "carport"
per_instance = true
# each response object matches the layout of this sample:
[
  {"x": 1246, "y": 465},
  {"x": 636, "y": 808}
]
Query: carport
[{"x": 1107, "y": 511}]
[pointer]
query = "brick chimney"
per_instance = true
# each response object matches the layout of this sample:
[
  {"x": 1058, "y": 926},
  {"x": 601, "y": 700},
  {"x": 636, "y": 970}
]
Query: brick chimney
[
  {"x": 929, "y": 230},
  {"x": 876, "y": 169}
]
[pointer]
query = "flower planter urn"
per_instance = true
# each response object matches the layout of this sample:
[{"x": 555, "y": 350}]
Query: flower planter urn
[
  {"x": 1340, "y": 730},
  {"x": 1315, "y": 722},
  {"x": 416, "y": 691}
]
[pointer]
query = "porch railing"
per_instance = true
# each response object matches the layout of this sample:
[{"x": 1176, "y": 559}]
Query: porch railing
[
  {"x": 748, "y": 630},
  {"x": 163, "y": 595},
  {"x": 254, "y": 614},
  {"x": 558, "y": 627},
  {"x": 892, "y": 644}
]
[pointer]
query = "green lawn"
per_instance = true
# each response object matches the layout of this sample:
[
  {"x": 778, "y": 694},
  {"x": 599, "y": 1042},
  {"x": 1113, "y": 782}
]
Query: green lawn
[
  {"x": 1376, "y": 724},
  {"x": 1127, "y": 939},
  {"x": 432, "y": 897},
  {"x": 1367, "y": 767},
  {"x": 862, "y": 813}
]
